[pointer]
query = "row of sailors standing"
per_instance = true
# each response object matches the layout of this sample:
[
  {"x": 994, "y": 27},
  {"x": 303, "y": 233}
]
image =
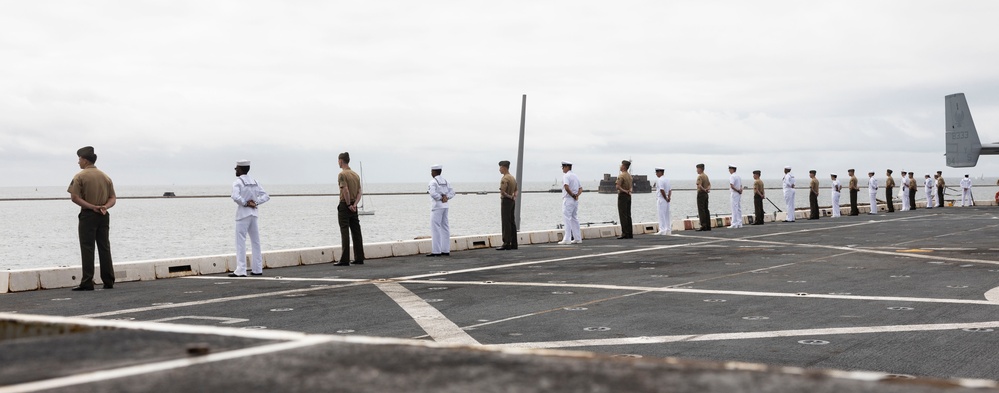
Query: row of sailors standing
[{"x": 441, "y": 192}]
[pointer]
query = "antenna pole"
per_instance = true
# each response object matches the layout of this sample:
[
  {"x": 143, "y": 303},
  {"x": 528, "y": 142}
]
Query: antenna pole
[{"x": 520, "y": 160}]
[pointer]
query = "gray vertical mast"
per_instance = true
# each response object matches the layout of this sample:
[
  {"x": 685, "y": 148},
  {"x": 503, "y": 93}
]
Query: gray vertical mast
[{"x": 520, "y": 160}]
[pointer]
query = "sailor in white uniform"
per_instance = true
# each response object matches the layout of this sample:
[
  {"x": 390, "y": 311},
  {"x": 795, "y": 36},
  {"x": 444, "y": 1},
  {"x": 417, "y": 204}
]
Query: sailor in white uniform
[
  {"x": 248, "y": 195},
  {"x": 928, "y": 186},
  {"x": 571, "y": 190},
  {"x": 440, "y": 232},
  {"x": 966, "y": 192},
  {"x": 872, "y": 191},
  {"x": 664, "y": 194},
  {"x": 735, "y": 186},
  {"x": 836, "y": 190},
  {"x": 904, "y": 192},
  {"x": 787, "y": 184}
]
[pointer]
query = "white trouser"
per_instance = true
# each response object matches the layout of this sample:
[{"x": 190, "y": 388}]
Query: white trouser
[
  {"x": 440, "y": 232},
  {"x": 929, "y": 199},
  {"x": 905, "y": 199},
  {"x": 789, "y": 203},
  {"x": 246, "y": 226},
  {"x": 835, "y": 204},
  {"x": 570, "y": 209},
  {"x": 874, "y": 201},
  {"x": 736, "y": 210},
  {"x": 965, "y": 196},
  {"x": 665, "y": 226}
]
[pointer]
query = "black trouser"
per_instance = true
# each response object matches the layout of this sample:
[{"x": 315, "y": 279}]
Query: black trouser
[
  {"x": 349, "y": 223},
  {"x": 912, "y": 198},
  {"x": 853, "y": 203},
  {"x": 891, "y": 205},
  {"x": 813, "y": 203},
  {"x": 702, "y": 210},
  {"x": 940, "y": 196},
  {"x": 509, "y": 222},
  {"x": 94, "y": 228},
  {"x": 758, "y": 206},
  {"x": 624, "y": 212}
]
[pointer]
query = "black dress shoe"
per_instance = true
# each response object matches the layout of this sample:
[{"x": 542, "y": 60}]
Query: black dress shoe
[
  {"x": 445, "y": 254},
  {"x": 108, "y": 286},
  {"x": 83, "y": 289},
  {"x": 342, "y": 263},
  {"x": 358, "y": 262},
  {"x": 236, "y": 275},
  {"x": 501, "y": 248},
  {"x": 256, "y": 274},
  {"x": 433, "y": 255}
]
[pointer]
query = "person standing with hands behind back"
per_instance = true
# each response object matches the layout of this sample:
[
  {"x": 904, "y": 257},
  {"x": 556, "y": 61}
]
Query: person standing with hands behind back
[
  {"x": 350, "y": 226},
  {"x": 703, "y": 188},
  {"x": 508, "y": 203},
  {"x": 248, "y": 194},
  {"x": 623, "y": 186},
  {"x": 93, "y": 191}
]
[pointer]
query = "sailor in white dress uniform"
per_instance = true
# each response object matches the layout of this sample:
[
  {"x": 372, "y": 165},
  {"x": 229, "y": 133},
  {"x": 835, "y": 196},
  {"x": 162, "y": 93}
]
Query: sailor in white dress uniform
[
  {"x": 571, "y": 190},
  {"x": 787, "y": 184},
  {"x": 966, "y": 191},
  {"x": 836, "y": 190},
  {"x": 928, "y": 187},
  {"x": 664, "y": 194},
  {"x": 440, "y": 231},
  {"x": 904, "y": 192},
  {"x": 872, "y": 191},
  {"x": 248, "y": 195},
  {"x": 735, "y": 186}
]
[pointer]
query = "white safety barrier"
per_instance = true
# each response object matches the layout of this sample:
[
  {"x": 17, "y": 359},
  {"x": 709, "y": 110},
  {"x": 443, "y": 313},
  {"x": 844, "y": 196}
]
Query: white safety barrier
[{"x": 4, "y": 281}]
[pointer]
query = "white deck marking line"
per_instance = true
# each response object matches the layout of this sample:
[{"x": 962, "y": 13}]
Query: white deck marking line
[
  {"x": 104, "y": 375},
  {"x": 748, "y": 335},
  {"x": 870, "y": 251},
  {"x": 992, "y": 295},
  {"x": 438, "y": 326},
  {"x": 216, "y": 300},
  {"x": 717, "y": 292},
  {"x": 526, "y": 263},
  {"x": 222, "y": 320},
  {"x": 290, "y": 279}
]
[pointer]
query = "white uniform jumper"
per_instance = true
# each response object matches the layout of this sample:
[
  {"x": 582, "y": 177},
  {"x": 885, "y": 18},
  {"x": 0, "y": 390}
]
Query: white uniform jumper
[
  {"x": 245, "y": 189},
  {"x": 928, "y": 187},
  {"x": 836, "y": 187},
  {"x": 788, "y": 185},
  {"x": 735, "y": 181},
  {"x": 966, "y": 192},
  {"x": 440, "y": 231},
  {"x": 570, "y": 209},
  {"x": 872, "y": 191},
  {"x": 904, "y": 193},
  {"x": 665, "y": 225}
]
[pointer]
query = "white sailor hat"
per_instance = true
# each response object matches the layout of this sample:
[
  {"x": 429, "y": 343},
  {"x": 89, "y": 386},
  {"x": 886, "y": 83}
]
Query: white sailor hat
[
  {"x": 833, "y": 174},
  {"x": 872, "y": 171},
  {"x": 660, "y": 169},
  {"x": 732, "y": 166},
  {"x": 243, "y": 163},
  {"x": 566, "y": 163},
  {"x": 927, "y": 175},
  {"x": 787, "y": 167},
  {"x": 436, "y": 167}
]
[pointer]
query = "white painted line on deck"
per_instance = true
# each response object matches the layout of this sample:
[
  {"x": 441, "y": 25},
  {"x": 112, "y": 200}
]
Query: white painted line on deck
[
  {"x": 104, "y": 375},
  {"x": 215, "y": 300},
  {"x": 748, "y": 335},
  {"x": 437, "y": 326},
  {"x": 721, "y": 292}
]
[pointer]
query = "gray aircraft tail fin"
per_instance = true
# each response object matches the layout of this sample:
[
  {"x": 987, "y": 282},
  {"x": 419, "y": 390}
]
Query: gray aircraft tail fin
[{"x": 963, "y": 145}]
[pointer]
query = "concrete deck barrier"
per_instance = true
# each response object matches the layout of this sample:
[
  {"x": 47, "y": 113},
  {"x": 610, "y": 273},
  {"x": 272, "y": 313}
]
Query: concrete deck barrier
[
  {"x": 4, "y": 282},
  {"x": 24, "y": 280}
]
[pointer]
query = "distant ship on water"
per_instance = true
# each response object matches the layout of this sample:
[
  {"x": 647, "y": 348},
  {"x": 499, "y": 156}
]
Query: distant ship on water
[{"x": 640, "y": 184}]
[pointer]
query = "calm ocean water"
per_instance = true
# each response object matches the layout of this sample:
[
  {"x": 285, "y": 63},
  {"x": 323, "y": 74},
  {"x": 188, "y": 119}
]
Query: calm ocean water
[{"x": 43, "y": 233}]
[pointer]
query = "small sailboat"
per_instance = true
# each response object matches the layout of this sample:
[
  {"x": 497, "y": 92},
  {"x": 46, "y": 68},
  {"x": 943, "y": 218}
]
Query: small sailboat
[{"x": 361, "y": 211}]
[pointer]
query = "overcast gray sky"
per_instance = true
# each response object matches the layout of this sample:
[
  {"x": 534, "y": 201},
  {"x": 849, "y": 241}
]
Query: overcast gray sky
[{"x": 173, "y": 92}]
